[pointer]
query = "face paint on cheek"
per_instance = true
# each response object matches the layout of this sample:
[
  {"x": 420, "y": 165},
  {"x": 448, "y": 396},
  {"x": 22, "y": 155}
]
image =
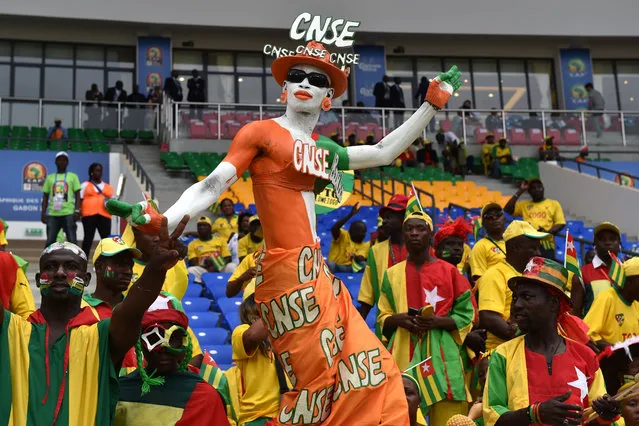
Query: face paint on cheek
[
  {"x": 45, "y": 283},
  {"x": 446, "y": 253},
  {"x": 76, "y": 284},
  {"x": 110, "y": 273}
]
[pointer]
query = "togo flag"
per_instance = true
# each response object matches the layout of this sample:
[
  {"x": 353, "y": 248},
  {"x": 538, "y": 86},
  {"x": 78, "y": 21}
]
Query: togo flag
[
  {"x": 214, "y": 376},
  {"x": 413, "y": 205},
  {"x": 616, "y": 273},
  {"x": 421, "y": 369},
  {"x": 571, "y": 262}
]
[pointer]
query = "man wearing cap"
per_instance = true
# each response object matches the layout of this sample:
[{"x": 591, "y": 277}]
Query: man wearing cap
[
  {"x": 487, "y": 152},
  {"x": 348, "y": 250},
  {"x": 384, "y": 254},
  {"x": 491, "y": 249},
  {"x": 60, "y": 366},
  {"x": 423, "y": 281},
  {"x": 544, "y": 214},
  {"x": 522, "y": 243},
  {"x": 61, "y": 201},
  {"x": 208, "y": 253},
  {"x": 548, "y": 151},
  {"x": 57, "y": 132},
  {"x": 253, "y": 241},
  {"x": 614, "y": 315},
  {"x": 541, "y": 377},
  {"x": 595, "y": 274}
]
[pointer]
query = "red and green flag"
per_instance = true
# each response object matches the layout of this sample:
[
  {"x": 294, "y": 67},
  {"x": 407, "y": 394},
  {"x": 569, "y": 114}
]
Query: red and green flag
[
  {"x": 571, "y": 262},
  {"x": 413, "y": 205},
  {"x": 213, "y": 375},
  {"x": 616, "y": 273}
]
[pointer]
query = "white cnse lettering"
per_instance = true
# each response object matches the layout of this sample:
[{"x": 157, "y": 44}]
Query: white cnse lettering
[
  {"x": 290, "y": 312},
  {"x": 341, "y": 31}
]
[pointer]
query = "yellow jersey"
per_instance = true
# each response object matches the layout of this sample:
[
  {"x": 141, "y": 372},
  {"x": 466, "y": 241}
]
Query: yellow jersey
[
  {"x": 543, "y": 214},
  {"x": 485, "y": 254},
  {"x": 246, "y": 246},
  {"x": 260, "y": 389},
  {"x": 494, "y": 295},
  {"x": 21, "y": 300},
  {"x": 343, "y": 249},
  {"x": 215, "y": 247},
  {"x": 464, "y": 261},
  {"x": 499, "y": 151},
  {"x": 611, "y": 318},
  {"x": 249, "y": 287},
  {"x": 225, "y": 227},
  {"x": 176, "y": 281}
]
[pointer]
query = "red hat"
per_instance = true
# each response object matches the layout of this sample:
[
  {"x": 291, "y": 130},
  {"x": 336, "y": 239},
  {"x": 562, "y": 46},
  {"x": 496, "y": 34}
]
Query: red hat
[
  {"x": 281, "y": 66},
  {"x": 397, "y": 203}
]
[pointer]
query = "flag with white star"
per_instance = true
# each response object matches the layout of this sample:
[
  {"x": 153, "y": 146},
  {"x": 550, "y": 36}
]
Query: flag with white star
[{"x": 571, "y": 261}]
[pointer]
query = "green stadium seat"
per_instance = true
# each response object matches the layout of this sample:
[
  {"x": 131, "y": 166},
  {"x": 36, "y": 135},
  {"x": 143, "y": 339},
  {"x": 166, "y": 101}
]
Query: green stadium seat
[
  {"x": 3, "y": 143},
  {"x": 129, "y": 134},
  {"x": 38, "y": 145},
  {"x": 110, "y": 133},
  {"x": 17, "y": 144},
  {"x": 172, "y": 160},
  {"x": 39, "y": 133},
  {"x": 20, "y": 132},
  {"x": 79, "y": 146},
  {"x": 94, "y": 135},
  {"x": 146, "y": 135},
  {"x": 57, "y": 145},
  {"x": 100, "y": 147},
  {"x": 77, "y": 135},
  {"x": 4, "y": 132}
]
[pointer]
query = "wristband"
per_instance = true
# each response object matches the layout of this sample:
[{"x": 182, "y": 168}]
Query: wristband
[{"x": 607, "y": 422}]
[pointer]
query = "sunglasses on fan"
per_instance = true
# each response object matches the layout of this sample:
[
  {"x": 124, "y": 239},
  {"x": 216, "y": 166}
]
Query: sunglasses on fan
[{"x": 314, "y": 78}]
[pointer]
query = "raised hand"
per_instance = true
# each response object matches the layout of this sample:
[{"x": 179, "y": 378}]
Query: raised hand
[
  {"x": 354, "y": 210},
  {"x": 443, "y": 86},
  {"x": 555, "y": 412}
]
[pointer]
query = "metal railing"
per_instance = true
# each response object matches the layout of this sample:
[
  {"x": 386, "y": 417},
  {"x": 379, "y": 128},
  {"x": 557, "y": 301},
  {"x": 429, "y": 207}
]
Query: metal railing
[
  {"x": 598, "y": 169},
  {"x": 139, "y": 171},
  {"x": 221, "y": 121},
  {"x": 368, "y": 190},
  {"x": 80, "y": 114},
  {"x": 470, "y": 212}
]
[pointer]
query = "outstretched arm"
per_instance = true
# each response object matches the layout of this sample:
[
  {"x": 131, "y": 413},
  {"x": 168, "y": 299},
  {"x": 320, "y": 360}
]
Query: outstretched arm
[{"x": 390, "y": 147}]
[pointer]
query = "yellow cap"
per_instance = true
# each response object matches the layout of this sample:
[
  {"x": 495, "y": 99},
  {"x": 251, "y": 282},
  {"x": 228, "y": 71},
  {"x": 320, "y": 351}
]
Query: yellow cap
[
  {"x": 204, "y": 219},
  {"x": 490, "y": 206},
  {"x": 607, "y": 226},
  {"x": 254, "y": 217},
  {"x": 517, "y": 228},
  {"x": 421, "y": 216},
  {"x": 111, "y": 246},
  {"x": 631, "y": 267}
]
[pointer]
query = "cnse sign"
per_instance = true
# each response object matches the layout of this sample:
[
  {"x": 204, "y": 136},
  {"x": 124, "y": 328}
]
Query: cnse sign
[{"x": 339, "y": 32}]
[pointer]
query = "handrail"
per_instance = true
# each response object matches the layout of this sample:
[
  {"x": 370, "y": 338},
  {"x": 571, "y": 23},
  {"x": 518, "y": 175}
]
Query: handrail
[
  {"x": 598, "y": 168},
  {"x": 139, "y": 170},
  {"x": 598, "y": 152},
  {"x": 582, "y": 249},
  {"x": 403, "y": 187}
]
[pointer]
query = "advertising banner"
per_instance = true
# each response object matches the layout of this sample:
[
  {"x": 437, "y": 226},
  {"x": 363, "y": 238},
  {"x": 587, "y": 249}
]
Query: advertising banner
[
  {"x": 154, "y": 62},
  {"x": 370, "y": 70},
  {"x": 24, "y": 172},
  {"x": 576, "y": 71}
]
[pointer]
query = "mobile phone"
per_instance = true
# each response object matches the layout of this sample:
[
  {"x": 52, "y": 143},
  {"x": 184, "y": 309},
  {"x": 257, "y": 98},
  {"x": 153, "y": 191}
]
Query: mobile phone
[{"x": 413, "y": 312}]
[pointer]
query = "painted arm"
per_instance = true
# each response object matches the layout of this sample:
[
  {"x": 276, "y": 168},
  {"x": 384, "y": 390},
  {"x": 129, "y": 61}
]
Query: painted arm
[{"x": 391, "y": 146}]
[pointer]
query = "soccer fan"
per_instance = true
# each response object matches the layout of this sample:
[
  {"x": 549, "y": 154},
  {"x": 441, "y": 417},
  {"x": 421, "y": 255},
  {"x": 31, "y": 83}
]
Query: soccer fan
[
  {"x": 595, "y": 274},
  {"x": 491, "y": 249},
  {"x": 260, "y": 393},
  {"x": 487, "y": 152},
  {"x": 161, "y": 390},
  {"x": 177, "y": 277},
  {"x": 284, "y": 178},
  {"x": 60, "y": 366},
  {"x": 449, "y": 243},
  {"x": 541, "y": 377},
  {"x": 383, "y": 254},
  {"x": 544, "y": 214},
  {"x": 114, "y": 261},
  {"x": 548, "y": 151},
  {"x": 422, "y": 281},
  {"x": 252, "y": 241},
  {"x": 522, "y": 244},
  {"x": 413, "y": 398},
  {"x": 226, "y": 225},
  {"x": 243, "y": 278},
  {"x": 208, "y": 253},
  {"x": 348, "y": 250},
  {"x": 15, "y": 292},
  {"x": 502, "y": 154},
  {"x": 614, "y": 315}
]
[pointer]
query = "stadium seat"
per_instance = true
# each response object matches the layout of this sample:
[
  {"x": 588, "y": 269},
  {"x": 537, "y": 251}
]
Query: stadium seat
[
  {"x": 499, "y": 133},
  {"x": 100, "y": 147},
  {"x": 146, "y": 135},
  {"x": 517, "y": 136},
  {"x": 76, "y": 134},
  {"x": 555, "y": 133},
  {"x": 38, "y": 133},
  {"x": 197, "y": 130},
  {"x": 204, "y": 319},
  {"x": 38, "y": 145},
  {"x": 480, "y": 134},
  {"x": 4, "y": 132},
  {"x": 198, "y": 304},
  {"x": 17, "y": 144},
  {"x": 222, "y": 354},
  {"x": 193, "y": 290},
  {"x": 212, "y": 336},
  {"x": 110, "y": 133},
  {"x": 129, "y": 134},
  {"x": 215, "y": 283},
  {"x": 94, "y": 135},
  {"x": 229, "y": 305},
  {"x": 571, "y": 137},
  {"x": 58, "y": 145},
  {"x": 535, "y": 136},
  {"x": 20, "y": 132},
  {"x": 446, "y": 125}
]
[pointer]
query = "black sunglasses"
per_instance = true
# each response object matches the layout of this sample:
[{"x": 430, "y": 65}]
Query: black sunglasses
[{"x": 314, "y": 78}]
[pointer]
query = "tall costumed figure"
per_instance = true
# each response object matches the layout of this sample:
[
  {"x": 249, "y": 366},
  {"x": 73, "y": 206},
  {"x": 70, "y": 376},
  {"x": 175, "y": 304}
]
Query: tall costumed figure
[{"x": 340, "y": 372}]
